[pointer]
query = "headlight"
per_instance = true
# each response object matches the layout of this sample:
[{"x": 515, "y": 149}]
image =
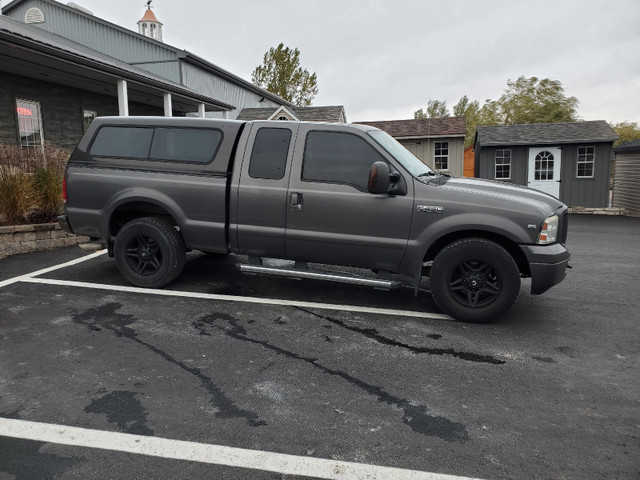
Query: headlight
[{"x": 549, "y": 231}]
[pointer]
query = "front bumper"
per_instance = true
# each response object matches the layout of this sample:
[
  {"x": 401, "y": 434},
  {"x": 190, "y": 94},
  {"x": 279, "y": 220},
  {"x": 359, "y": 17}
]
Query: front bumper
[{"x": 548, "y": 265}]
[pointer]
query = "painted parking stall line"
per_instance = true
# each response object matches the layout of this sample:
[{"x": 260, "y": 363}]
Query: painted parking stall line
[
  {"x": 236, "y": 298},
  {"x": 211, "y": 454},
  {"x": 22, "y": 278}
]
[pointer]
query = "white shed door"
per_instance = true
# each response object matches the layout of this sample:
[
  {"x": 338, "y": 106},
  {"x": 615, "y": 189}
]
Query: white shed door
[{"x": 544, "y": 170}]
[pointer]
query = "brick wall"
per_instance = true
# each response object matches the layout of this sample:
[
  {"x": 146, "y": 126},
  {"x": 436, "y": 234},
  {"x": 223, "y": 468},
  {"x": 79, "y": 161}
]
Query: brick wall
[{"x": 32, "y": 238}]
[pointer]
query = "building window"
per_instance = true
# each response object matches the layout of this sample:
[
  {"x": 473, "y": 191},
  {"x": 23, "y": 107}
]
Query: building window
[
  {"x": 442, "y": 156},
  {"x": 144, "y": 29},
  {"x": 29, "y": 123},
  {"x": 88, "y": 116},
  {"x": 586, "y": 160},
  {"x": 503, "y": 164}
]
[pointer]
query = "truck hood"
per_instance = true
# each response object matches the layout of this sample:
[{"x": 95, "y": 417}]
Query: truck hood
[{"x": 495, "y": 191}]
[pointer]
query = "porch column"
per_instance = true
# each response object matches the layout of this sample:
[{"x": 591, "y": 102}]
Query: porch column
[
  {"x": 201, "y": 110},
  {"x": 225, "y": 114},
  {"x": 123, "y": 98},
  {"x": 168, "y": 109}
]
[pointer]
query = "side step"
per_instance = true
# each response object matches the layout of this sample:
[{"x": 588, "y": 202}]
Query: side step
[{"x": 379, "y": 283}]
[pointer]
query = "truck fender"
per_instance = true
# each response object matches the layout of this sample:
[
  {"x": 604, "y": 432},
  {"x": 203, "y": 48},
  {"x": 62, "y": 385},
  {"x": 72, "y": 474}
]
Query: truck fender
[
  {"x": 459, "y": 225},
  {"x": 143, "y": 195}
]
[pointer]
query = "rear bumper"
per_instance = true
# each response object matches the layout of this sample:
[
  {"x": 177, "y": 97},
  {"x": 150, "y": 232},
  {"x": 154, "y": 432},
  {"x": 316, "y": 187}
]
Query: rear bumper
[
  {"x": 548, "y": 265},
  {"x": 64, "y": 223}
]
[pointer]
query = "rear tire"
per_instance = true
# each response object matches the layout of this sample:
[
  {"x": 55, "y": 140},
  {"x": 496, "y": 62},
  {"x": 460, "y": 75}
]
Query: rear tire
[
  {"x": 474, "y": 280},
  {"x": 149, "y": 252}
]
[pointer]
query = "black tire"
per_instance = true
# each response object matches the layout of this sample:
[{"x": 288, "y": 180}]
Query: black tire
[
  {"x": 474, "y": 280},
  {"x": 149, "y": 252}
]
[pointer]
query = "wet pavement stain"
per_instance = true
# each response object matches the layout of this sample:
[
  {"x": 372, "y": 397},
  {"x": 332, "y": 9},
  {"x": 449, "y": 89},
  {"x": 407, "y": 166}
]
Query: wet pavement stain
[
  {"x": 414, "y": 416},
  {"x": 22, "y": 460},
  {"x": 123, "y": 409},
  {"x": 375, "y": 335},
  {"x": 107, "y": 317}
]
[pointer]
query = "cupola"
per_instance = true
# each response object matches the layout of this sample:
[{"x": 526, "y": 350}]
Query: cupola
[{"x": 149, "y": 25}]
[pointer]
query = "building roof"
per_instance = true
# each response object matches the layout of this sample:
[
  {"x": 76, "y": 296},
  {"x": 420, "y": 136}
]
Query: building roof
[
  {"x": 423, "y": 128},
  {"x": 52, "y": 54},
  {"x": 633, "y": 145},
  {"x": 332, "y": 114},
  {"x": 545, "y": 133},
  {"x": 149, "y": 16},
  {"x": 183, "y": 55}
]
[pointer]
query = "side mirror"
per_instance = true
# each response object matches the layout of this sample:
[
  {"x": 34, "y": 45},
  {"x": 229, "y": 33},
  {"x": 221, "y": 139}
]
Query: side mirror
[{"x": 379, "y": 178}]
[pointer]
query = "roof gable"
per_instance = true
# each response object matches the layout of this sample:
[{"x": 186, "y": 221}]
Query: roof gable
[
  {"x": 330, "y": 114},
  {"x": 545, "y": 133},
  {"x": 423, "y": 128}
]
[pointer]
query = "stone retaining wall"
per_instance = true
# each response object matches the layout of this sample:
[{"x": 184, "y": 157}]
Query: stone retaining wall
[{"x": 32, "y": 238}]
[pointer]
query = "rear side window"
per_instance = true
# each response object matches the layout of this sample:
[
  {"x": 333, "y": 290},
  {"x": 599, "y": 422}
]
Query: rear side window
[
  {"x": 186, "y": 145},
  {"x": 127, "y": 142},
  {"x": 191, "y": 145},
  {"x": 338, "y": 158},
  {"x": 269, "y": 155}
]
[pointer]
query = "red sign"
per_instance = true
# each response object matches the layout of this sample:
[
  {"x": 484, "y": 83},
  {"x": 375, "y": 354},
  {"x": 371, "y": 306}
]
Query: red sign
[{"x": 25, "y": 112}]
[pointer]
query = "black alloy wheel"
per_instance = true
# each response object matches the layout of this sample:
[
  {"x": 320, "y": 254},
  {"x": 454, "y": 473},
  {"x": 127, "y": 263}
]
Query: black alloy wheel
[
  {"x": 474, "y": 280},
  {"x": 149, "y": 252}
]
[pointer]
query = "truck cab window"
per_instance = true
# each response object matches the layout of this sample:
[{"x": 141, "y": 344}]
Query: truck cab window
[
  {"x": 338, "y": 158},
  {"x": 269, "y": 154}
]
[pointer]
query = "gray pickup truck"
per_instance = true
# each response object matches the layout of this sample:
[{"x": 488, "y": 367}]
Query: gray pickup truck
[{"x": 151, "y": 189}]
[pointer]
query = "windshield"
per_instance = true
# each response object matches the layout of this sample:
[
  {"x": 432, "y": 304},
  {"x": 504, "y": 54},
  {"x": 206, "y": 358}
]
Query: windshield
[{"x": 414, "y": 166}]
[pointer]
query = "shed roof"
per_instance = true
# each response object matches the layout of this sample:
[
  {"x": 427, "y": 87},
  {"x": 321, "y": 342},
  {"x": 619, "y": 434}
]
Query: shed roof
[
  {"x": 633, "y": 145},
  {"x": 545, "y": 133},
  {"x": 332, "y": 114},
  {"x": 423, "y": 128}
]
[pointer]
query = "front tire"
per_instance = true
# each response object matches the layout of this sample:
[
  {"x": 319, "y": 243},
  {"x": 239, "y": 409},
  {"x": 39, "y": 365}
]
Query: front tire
[
  {"x": 474, "y": 280},
  {"x": 149, "y": 252}
]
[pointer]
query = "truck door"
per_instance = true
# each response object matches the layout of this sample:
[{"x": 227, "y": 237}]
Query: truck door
[
  {"x": 261, "y": 202},
  {"x": 331, "y": 217}
]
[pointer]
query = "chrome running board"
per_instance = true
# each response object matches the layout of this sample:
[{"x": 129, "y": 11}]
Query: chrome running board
[{"x": 297, "y": 274}]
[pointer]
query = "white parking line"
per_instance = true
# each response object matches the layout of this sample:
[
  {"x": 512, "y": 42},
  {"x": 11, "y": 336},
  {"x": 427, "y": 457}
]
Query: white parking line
[
  {"x": 31, "y": 278},
  {"x": 236, "y": 298},
  {"x": 22, "y": 278},
  {"x": 210, "y": 454}
]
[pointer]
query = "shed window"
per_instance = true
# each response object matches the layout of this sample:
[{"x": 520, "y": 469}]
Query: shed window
[
  {"x": 586, "y": 160},
  {"x": 503, "y": 164},
  {"x": 29, "y": 123},
  {"x": 442, "y": 156}
]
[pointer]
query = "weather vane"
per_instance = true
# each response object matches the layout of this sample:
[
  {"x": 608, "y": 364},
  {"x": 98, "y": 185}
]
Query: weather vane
[{"x": 149, "y": 4}]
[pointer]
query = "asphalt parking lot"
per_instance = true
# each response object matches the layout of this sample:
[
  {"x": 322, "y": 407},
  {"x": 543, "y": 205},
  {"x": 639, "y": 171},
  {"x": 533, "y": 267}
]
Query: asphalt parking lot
[{"x": 227, "y": 376}]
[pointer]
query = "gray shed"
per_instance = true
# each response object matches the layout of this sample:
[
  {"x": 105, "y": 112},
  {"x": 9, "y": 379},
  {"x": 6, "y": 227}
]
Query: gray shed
[
  {"x": 626, "y": 184},
  {"x": 571, "y": 161}
]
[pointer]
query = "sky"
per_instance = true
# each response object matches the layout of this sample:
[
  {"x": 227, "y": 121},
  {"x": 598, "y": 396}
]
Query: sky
[{"x": 385, "y": 59}]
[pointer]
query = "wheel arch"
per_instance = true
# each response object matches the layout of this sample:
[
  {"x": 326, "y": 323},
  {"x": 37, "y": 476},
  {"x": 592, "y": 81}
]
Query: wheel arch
[{"x": 509, "y": 245}]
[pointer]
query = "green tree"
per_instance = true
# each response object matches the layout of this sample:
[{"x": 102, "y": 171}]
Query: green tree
[
  {"x": 627, "y": 131},
  {"x": 282, "y": 75},
  {"x": 435, "y": 109},
  {"x": 531, "y": 100}
]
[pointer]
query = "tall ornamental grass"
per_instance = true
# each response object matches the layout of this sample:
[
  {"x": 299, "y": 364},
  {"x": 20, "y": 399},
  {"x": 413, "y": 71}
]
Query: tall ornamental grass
[{"x": 31, "y": 183}]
